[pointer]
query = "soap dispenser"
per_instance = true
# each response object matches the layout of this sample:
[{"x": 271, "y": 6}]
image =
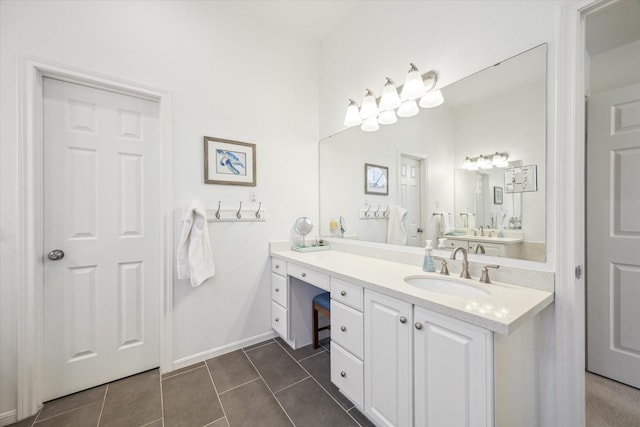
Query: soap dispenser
[{"x": 427, "y": 264}]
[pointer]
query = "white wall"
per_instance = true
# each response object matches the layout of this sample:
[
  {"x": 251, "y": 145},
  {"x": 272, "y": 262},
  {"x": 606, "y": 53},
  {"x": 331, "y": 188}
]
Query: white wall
[
  {"x": 615, "y": 68},
  {"x": 232, "y": 76}
]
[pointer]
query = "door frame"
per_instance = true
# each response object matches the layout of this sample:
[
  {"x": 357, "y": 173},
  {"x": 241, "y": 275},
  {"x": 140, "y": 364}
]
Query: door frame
[
  {"x": 424, "y": 180},
  {"x": 30, "y": 250}
]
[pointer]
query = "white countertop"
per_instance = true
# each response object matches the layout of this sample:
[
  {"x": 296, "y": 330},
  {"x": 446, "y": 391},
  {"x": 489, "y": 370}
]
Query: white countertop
[{"x": 502, "y": 311}]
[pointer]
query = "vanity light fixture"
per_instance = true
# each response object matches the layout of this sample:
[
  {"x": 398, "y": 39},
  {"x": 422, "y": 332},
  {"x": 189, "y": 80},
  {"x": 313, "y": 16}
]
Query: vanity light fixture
[
  {"x": 391, "y": 105},
  {"x": 352, "y": 118},
  {"x": 498, "y": 160}
]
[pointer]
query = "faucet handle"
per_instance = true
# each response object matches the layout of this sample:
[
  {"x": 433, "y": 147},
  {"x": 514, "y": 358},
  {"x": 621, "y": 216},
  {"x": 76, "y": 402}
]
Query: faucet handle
[
  {"x": 484, "y": 276},
  {"x": 443, "y": 269}
]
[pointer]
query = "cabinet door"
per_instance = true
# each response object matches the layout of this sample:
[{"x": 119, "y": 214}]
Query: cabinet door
[
  {"x": 388, "y": 395},
  {"x": 453, "y": 372}
]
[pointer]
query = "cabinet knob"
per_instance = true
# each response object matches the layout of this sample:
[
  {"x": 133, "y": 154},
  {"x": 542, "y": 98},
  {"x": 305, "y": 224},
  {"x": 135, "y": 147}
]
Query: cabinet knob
[
  {"x": 277, "y": 319},
  {"x": 343, "y": 293},
  {"x": 418, "y": 325},
  {"x": 343, "y": 328},
  {"x": 403, "y": 319},
  {"x": 277, "y": 266},
  {"x": 343, "y": 374},
  {"x": 304, "y": 274},
  {"x": 277, "y": 289}
]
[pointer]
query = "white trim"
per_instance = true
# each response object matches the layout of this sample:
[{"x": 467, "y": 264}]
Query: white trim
[
  {"x": 8, "y": 417},
  {"x": 29, "y": 235},
  {"x": 569, "y": 167},
  {"x": 228, "y": 348}
]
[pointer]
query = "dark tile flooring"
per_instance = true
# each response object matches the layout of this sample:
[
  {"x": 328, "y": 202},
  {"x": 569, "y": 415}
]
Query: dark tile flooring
[{"x": 267, "y": 384}]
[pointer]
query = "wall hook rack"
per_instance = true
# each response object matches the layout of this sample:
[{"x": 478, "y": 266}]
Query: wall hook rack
[
  {"x": 240, "y": 212},
  {"x": 365, "y": 213}
]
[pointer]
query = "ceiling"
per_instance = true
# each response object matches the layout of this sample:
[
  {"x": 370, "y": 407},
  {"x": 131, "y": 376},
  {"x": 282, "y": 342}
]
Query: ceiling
[
  {"x": 613, "y": 26},
  {"x": 311, "y": 19}
]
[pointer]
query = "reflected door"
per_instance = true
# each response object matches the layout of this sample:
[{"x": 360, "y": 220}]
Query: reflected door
[
  {"x": 613, "y": 235},
  {"x": 101, "y": 187},
  {"x": 410, "y": 198}
]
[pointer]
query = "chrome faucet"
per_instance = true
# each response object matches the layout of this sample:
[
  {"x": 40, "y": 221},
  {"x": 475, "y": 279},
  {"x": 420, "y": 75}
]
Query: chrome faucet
[
  {"x": 480, "y": 247},
  {"x": 484, "y": 277},
  {"x": 465, "y": 264},
  {"x": 342, "y": 229}
]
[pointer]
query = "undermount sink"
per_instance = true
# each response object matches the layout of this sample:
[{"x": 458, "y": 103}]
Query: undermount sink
[{"x": 446, "y": 286}]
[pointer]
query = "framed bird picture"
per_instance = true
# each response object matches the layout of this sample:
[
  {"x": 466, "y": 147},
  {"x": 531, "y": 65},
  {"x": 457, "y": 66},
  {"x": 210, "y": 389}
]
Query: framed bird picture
[{"x": 229, "y": 162}]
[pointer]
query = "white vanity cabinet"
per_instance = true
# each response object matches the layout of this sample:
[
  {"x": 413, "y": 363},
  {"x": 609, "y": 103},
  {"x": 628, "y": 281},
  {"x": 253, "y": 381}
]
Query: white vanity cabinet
[
  {"x": 388, "y": 360},
  {"x": 492, "y": 248},
  {"x": 452, "y": 372},
  {"x": 347, "y": 340}
]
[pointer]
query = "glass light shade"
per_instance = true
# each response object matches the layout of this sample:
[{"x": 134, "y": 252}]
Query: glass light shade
[
  {"x": 352, "y": 118},
  {"x": 473, "y": 165},
  {"x": 413, "y": 87},
  {"x": 484, "y": 163},
  {"x": 370, "y": 125},
  {"x": 499, "y": 159},
  {"x": 432, "y": 99},
  {"x": 387, "y": 117},
  {"x": 467, "y": 163},
  {"x": 369, "y": 107},
  {"x": 408, "y": 108},
  {"x": 389, "y": 100}
]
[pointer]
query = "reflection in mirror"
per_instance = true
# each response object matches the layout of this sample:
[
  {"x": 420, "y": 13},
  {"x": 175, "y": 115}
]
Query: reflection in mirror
[{"x": 429, "y": 185}]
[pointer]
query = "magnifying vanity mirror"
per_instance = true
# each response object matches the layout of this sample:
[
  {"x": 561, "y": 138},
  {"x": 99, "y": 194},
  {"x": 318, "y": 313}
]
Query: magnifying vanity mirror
[{"x": 447, "y": 167}]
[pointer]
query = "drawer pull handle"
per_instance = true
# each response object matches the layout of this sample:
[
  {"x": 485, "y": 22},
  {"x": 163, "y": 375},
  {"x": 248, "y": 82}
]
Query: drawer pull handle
[
  {"x": 277, "y": 289},
  {"x": 343, "y": 328},
  {"x": 343, "y": 293},
  {"x": 403, "y": 319},
  {"x": 418, "y": 325},
  {"x": 343, "y": 374},
  {"x": 304, "y": 275}
]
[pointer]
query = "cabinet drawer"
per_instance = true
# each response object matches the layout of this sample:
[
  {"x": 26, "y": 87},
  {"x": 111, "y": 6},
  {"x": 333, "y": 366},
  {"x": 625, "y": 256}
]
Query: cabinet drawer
[
  {"x": 347, "y": 293},
  {"x": 347, "y": 328},
  {"x": 312, "y": 277},
  {"x": 279, "y": 319},
  {"x": 279, "y": 266},
  {"x": 347, "y": 374},
  {"x": 455, "y": 243},
  {"x": 279, "y": 289}
]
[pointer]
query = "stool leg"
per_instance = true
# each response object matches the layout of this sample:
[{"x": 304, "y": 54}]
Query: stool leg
[{"x": 315, "y": 328}]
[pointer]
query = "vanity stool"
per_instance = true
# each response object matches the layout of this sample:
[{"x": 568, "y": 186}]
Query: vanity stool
[{"x": 321, "y": 303}]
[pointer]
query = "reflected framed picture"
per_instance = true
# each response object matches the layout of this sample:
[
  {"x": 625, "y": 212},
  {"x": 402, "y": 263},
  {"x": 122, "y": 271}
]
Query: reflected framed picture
[
  {"x": 376, "y": 179},
  {"x": 497, "y": 195},
  {"x": 229, "y": 162}
]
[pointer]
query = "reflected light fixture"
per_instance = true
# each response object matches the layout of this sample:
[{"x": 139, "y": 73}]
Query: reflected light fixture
[
  {"x": 352, "y": 118},
  {"x": 498, "y": 160},
  {"x": 391, "y": 105}
]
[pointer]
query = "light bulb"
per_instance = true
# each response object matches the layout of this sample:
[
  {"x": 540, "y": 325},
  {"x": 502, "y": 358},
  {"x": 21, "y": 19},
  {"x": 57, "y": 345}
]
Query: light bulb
[
  {"x": 369, "y": 107},
  {"x": 387, "y": 117},
  {"x": 432, "y": 99},
  {"x": 352, "y": 118},
  {"x": 370, "y": 125},
  {"x": 389, "y": 100},
  {"x": 408, "y": 108},
  {"x": 413, "y": 87}
]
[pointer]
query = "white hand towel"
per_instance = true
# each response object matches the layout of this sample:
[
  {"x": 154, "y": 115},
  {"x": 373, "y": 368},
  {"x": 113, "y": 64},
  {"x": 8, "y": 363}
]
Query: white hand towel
[
  {"x": 396, "y": 229},
  {"x": 446, "y": 223},
  {"x": 472, "y": 220},
  {"x": 195, "y": 259}
]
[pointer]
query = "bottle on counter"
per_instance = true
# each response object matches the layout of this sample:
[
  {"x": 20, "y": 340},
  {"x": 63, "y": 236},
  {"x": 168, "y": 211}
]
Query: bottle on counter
[{"x": 427, "y": 264}]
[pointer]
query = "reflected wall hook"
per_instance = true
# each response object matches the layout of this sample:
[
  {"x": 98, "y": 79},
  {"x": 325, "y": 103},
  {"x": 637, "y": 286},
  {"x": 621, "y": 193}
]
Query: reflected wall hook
[
  {"x": 386, "y": 212},
  {"x": 238, "y": 214},
  {"x": 218, "y": 211},
  {"x": 367, "y": 212},
  {"x": 258, "y": 211},
  {"x": 377, "y": 213}
]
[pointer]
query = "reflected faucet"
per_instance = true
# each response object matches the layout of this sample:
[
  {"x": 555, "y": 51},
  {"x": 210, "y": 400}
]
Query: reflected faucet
[
  {"x": 480, "y": 247},
  {"x": 482, "y": 235},
  {"x": 465, "y": 264},
  {"x": 342, "y": 229}
]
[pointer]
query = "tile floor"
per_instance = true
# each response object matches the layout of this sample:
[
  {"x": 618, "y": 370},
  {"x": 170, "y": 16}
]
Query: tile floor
[{"x": 267, "y": 384}]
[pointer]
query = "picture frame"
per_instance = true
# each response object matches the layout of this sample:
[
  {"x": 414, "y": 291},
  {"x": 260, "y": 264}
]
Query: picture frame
[
  {"x": 376, "y": 179},
  {"x": 498, "y": 195},
  {"x": 229, "y": 162}
]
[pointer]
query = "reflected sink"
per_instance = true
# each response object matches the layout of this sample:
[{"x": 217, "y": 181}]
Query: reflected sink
[{"x": 446, "y": 286}]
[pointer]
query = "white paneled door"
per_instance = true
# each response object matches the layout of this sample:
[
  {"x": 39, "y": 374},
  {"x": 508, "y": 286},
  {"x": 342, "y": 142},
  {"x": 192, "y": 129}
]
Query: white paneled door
[
  {"x": 613, "y": 235},
  {"x": 101, "y": 204},
  {"x": 411, "y": 199}
]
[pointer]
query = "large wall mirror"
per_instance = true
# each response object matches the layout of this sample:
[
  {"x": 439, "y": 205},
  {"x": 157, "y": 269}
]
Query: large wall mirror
[{"x": 470, "y": 172}]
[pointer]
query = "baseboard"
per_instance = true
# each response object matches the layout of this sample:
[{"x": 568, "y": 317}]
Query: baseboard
[
  {"x": 208, "y": 354},
  {"x": 8, "y": 417}
]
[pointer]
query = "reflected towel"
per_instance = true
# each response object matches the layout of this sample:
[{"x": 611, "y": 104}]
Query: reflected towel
[
  {"x": 194, "y": 258},
  {"x": 471, "y": 223},
  {"x": 446, "y": 223},
  {"x": 396, "y": 229}
]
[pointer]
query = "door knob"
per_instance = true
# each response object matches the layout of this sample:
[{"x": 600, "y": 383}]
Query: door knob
[{"x": 56, "y": 254}]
